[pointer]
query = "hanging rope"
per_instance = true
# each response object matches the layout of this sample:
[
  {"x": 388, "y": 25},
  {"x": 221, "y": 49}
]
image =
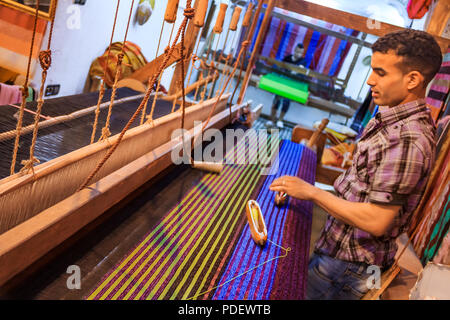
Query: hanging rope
[
  {"x": 144, "y": 112},
  {"x": 105, "y": 131},
  {"x": 189, "y": 15},
  {"x": 24, "y": 94},
  {"x": 151, "y": 84},
  {"x": 45, "y": 60},
  {"x": 102, "y": 81}
]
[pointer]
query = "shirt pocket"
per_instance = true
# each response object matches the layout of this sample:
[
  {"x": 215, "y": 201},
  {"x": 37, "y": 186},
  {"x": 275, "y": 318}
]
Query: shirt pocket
[{"x": 361, "y": 161}]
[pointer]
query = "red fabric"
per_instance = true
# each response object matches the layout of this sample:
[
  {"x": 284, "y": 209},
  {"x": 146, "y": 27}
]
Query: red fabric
[{"x": 417, "y": 8}]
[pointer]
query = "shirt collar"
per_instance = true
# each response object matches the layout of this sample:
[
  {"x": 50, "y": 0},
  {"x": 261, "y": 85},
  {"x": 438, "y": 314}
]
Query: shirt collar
[
  {"x": 391, "y": 115},
  {"x": 401, "y": 111}
]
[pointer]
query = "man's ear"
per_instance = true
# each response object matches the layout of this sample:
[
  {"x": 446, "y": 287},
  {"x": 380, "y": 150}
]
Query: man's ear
[{"x": 415, "y": 80}]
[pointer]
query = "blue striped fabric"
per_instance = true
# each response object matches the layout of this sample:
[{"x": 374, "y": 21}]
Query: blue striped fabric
[{"x": 247, "y": 254}]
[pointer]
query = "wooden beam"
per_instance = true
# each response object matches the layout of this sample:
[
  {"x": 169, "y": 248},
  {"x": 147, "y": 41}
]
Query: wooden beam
[
  {"x": 190, "y": 39},
  {"x": 439, "y": 18},
  {"x": 346, "y": 19}
]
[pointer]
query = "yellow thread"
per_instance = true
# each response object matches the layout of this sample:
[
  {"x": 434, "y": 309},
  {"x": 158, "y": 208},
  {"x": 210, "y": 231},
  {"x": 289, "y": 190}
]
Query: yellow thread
[{"x": 288, "y": 249}]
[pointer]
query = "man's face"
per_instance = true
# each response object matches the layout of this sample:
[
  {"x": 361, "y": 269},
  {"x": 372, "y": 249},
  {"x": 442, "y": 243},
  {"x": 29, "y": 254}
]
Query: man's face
[
  {"x": 298, "y": 52},
  {"x": 387, "y": 81}
]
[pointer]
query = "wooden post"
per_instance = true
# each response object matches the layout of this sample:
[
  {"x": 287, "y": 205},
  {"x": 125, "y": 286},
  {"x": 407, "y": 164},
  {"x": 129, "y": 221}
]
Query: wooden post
[
  {"x": 251, "y": 62},
  {"x": 439, "y": 18},
  {"x": 189, "y": 42}
]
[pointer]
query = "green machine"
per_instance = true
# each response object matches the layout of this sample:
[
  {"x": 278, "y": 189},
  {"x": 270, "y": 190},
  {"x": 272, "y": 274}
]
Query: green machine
[{"x": 285, "y": 87}]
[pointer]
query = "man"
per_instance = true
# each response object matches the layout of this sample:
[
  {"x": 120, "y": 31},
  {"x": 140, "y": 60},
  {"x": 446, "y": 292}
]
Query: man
[
  {"x": 296, "y": 59},
  {"x": 377, "y": 194}
]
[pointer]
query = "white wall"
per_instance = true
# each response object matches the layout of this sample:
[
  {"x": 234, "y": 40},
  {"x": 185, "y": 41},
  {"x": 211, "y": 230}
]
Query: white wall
[
  {"x": 74, "y": 49},
  {"x": 357, "y": 87}
]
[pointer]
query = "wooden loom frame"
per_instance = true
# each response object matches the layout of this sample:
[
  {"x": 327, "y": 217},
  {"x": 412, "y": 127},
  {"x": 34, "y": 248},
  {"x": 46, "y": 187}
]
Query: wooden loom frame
[
  {"x": 49, "y": 226},
  {"x": 30, "y": 240},
  {"x": 30, "y": 10}
]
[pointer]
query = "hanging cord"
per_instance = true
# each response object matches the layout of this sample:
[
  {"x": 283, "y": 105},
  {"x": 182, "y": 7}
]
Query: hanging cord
[
  {"x": 105, "y": 131},
  {"x": 151, "y": 84},
  {"x": 241, "y": 70},
  {"x": 213, "y": 37},
  {"x": 284, "y": 255},
  {"x": 24, "y": 94},
  {"x": 227, "y": 60},
  {"x": 189, "y": 15},
  {"x": 211, "y": 67},
  {"x": 243, "y": 48},
  {"x": 45, "y": 60},
  {"x": 194, "y": 58},
  {"x": 144, "y": 112},
  {"x": 102, "y": 82},
  {"x": 216, "y": 71}
]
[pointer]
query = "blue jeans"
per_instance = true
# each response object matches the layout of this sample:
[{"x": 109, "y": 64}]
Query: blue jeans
[
  {"x": 277, "y": 100},
  {"x": 333, "y": 279}
]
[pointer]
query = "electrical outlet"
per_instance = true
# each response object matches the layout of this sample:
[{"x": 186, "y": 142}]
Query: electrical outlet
[{"x": 52, "y": 90}]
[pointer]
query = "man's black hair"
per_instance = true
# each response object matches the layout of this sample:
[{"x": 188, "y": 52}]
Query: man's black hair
[{"x": 419, "y": 50}]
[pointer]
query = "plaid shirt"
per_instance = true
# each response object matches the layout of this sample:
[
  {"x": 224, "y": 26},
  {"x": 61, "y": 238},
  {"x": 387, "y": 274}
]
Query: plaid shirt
[{"x": 391, "y": 166}]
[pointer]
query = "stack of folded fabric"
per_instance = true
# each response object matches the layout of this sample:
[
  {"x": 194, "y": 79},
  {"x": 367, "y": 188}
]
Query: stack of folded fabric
[
  {"x": 340, "y": 155},
  {"x": 339, "y": 131}
]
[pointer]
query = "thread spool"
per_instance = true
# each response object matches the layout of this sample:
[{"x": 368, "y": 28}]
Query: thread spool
[
  {"x": 235, "y": 18},
  {"x": 220, "y": 18},
  {"x": 200, "y": 13},
  {"x": 248, "y": 15},
  {"x": 171, "y": 11},
  {"x": 280, "y": 198},
  {"x": 256, "y": 222}
]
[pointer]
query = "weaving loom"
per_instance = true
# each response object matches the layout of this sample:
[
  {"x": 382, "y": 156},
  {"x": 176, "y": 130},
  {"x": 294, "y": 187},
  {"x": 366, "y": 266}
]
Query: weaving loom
[
  {"x": 202, "y": 248},
  {"x": 38, "y": 211}
]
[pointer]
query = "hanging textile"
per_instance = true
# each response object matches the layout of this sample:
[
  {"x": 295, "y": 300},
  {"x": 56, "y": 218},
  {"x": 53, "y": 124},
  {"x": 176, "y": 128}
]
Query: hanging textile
[
  {"x": 360, "y": 116},
  {"x": 435, "y": 213},
  {"x": 323, "y": 53},
  {"x": 16, "y": 31},
  {"x": 132, "y": 61},
  {"x": 439, "y": 88},
  {"x": 417, "y": 8}
]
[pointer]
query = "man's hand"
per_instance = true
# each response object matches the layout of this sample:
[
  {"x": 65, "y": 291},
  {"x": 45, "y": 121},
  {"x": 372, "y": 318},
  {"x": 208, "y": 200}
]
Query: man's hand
[
  {"x": 370, "y": 217},
  {"x": 293, "y": 186}
]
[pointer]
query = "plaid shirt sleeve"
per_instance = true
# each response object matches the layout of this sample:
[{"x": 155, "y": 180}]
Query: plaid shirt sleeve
[{"x": 399, "y": 171}]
